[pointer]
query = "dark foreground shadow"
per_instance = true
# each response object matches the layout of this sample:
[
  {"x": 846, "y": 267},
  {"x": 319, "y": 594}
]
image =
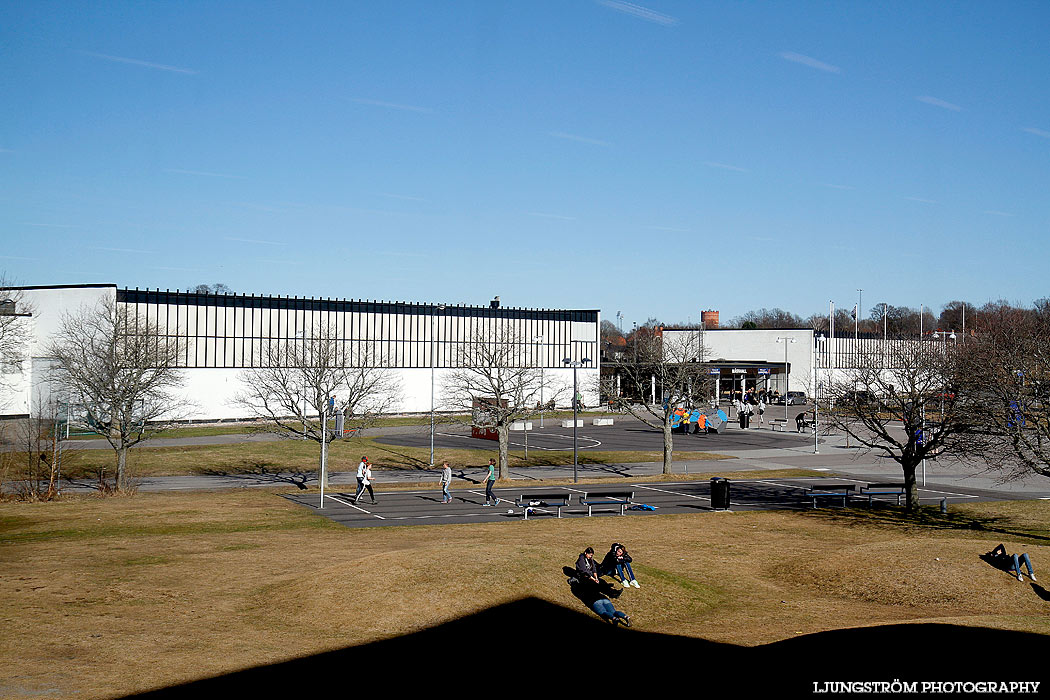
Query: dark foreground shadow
[{"x": 532, "y": 638}]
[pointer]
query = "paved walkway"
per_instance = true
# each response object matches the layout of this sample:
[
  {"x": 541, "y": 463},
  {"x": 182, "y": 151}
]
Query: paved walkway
[{"x": 833, "y": 457}]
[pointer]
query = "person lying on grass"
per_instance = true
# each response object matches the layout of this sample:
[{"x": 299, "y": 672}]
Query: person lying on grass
[
  {"x": 1010, "y": 562},
  {"x": 597, "y": 596}
]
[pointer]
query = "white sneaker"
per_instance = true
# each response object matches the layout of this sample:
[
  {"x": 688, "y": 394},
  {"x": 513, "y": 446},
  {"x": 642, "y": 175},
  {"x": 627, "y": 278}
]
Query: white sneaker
[
  {"x": 497, "y": 501},
  {"x": 1032, "y": 576},
  {"x": 1019, "y": 576},
  {"x": 635, "y": 584}
]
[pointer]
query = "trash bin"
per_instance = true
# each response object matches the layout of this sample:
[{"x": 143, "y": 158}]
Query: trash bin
[{"x": 720, "y": 493}]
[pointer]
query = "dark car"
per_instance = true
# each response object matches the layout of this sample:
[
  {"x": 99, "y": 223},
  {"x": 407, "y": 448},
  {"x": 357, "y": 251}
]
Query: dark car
[
  {"x": 859, "y": 398},
  {"x": 792, "y": 398}
]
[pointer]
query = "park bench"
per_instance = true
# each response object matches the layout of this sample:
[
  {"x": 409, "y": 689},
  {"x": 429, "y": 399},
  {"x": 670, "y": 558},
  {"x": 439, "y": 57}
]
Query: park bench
[
  {"x": 539, "y": 502},
  {"x": 778, "y": 424},
  {"x": 843, "y": 491},
  {"x": 607, "y": 498},
  {"x": 883, "y": 489}
]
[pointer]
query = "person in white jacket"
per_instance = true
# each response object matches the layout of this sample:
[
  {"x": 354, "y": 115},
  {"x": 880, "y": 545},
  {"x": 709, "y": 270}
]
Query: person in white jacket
[
  {"x": 446, "y": 479},
  {"x": 364, "y": 480}
]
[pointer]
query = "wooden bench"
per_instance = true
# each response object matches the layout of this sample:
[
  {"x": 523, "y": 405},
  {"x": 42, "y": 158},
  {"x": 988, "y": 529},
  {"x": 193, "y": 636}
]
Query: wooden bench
[
  {"x": 607, "y": 498},
  {"x": 533, "y": 502},
  {"x": 883, "y": 489},
  {"x": 778, "y": 424},
  {"x": 843, "y": 491}
]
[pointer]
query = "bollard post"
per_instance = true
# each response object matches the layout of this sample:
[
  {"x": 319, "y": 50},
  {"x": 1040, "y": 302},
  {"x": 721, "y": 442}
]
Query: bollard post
[{"x": 944, "y": 506}]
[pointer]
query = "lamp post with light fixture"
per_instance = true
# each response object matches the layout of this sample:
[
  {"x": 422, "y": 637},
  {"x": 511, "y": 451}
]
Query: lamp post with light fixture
[
  {"x": 787, "y": 373},
  {"x": 575, "y": 364}
]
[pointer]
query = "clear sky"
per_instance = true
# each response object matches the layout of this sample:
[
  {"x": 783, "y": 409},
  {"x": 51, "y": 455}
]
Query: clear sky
[{"x": 653, "y": 159}]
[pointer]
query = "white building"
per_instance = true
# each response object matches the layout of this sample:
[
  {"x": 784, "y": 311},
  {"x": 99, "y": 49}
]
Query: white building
[
  {"x": 224, "y": 336},
  {"x": 786, "y": 359}
]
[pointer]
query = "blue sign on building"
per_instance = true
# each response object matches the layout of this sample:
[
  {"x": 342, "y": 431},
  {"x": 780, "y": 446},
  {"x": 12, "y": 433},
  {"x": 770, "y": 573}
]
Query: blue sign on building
[{"x": 763, "y": 370}]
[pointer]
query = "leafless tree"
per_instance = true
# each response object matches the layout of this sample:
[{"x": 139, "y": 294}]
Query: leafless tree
[
  {"x": 1007, "y": 376},
  {"x": 291, "y": 388},
  {"x": 494, "y": 369},
  {"x": 15, "y": 330},
  {"x": 34, "y": 466},
  {"x": 903, "y": 402},
  {"x": 114, "y": 364},
  {"x": 217, "y": 288},
  {"x": 675, "y": 361},
  {"x": 767, "y": 318}
]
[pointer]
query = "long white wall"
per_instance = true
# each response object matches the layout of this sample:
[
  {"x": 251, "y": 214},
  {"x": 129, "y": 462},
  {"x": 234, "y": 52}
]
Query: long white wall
[
  {"x": 212, "y": 393},
  {"x": 217, "y": 333}
]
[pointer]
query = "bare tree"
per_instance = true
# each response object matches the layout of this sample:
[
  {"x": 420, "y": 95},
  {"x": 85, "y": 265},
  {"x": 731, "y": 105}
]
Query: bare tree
[
  {"x": 34, "y": 467},
  {"x": 217, "y": 288},
  {"x": 15, "y": 330},
  {"x": 767, "y": 318},
  {"x": 291, "y": 388},
  {"x": 115, "y": 365},
  {"x": 674, "y": 362},
  {"x": 1007, "y": 375},
  {"x": 496, "y": 381},
  {"x": 903, "y": 402}
]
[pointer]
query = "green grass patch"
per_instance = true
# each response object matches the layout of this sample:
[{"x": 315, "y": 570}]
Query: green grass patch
[{"x": 147, "y": 561}]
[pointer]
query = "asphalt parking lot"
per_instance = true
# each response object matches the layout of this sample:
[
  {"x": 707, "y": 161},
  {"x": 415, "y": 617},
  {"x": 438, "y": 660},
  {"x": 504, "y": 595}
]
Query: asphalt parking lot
[
  {"x": 626, "y": 434},
  {"x": 425, "y": 507}
]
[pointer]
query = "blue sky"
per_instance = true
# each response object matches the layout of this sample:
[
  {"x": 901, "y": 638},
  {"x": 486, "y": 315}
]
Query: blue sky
[{"x": 653, "y": 159}]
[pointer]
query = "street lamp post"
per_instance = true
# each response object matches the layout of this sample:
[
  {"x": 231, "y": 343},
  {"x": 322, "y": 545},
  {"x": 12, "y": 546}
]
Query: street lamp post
[
  {"x": 787, "y": 373},
  {"x": 539, "y": 339},
  {"x": 944, "y": 350},
  {"x": 575, "y": 411},
  {"x": 433, "y": 361},
  {"x": 816, "y": 399}
]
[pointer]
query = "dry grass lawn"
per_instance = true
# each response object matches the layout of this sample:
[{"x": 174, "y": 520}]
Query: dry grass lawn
[{"x": 100, "y": 597}]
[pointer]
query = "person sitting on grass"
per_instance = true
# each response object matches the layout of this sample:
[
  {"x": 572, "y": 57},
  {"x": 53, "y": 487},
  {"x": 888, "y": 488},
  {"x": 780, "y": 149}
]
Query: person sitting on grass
[
  {"x": 1011, "y": 562},
  {"x": 618, "y": 562},
  {"x": 586, "y": 567}
]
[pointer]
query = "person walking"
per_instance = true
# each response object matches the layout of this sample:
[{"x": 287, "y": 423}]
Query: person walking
[
  {"x": 490, "y": 479},
  {"x": 360, "y": 478},
  {"x": 364, "y": 480},
  {"x": 446, "y": 479}
]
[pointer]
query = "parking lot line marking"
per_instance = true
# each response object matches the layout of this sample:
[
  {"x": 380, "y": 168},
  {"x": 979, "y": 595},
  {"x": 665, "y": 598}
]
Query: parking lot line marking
[
  {"x": 674, "y": 493},
  {"x": 351, "y": 505},
  {"x": 947, "y": 493},
  {"x": 597, "y": 443}
]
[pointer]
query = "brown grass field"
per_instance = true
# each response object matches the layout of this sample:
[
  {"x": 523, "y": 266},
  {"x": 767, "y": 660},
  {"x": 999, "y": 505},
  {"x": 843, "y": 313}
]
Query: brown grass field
[{"x": 102, "y": 597}]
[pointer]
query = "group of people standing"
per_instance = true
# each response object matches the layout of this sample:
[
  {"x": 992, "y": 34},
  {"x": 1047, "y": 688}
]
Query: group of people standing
[
  {"x": 490, "y": 481},
  {"x": 752, "y": 403},
  {"x": 587, "y": 584}
]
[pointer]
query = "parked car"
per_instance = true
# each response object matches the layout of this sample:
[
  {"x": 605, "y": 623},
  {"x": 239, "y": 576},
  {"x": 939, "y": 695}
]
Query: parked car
[
  {"x": 793, "y": 398},
  {"x": 860, "y": 398}
]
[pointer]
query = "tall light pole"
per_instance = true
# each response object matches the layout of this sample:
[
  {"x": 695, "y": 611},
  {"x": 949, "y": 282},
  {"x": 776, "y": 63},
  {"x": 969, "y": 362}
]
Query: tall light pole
[
  {"x": 816, "y": 402},
  {"x": 787, "y": 373},
  {"x": 539, "y": 339},
  {"x": 575, "y": 408},
  {"x": 433, "y": 361},
  {"x": 856, "y": 321},
  {"x": 944, "y": 351}
]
